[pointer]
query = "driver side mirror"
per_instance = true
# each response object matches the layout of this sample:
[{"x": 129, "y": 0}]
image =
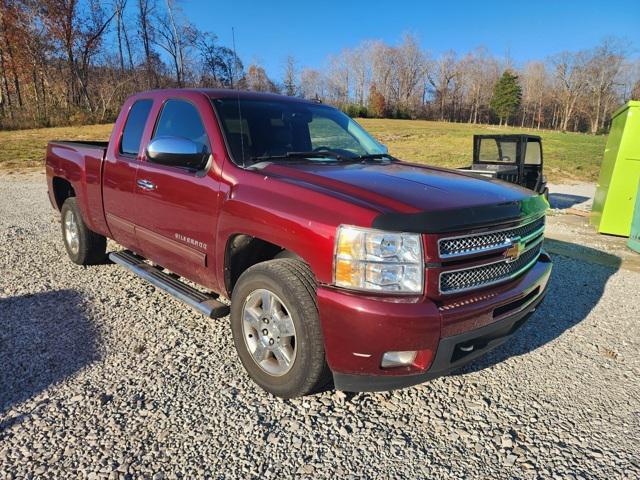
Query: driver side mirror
[{"x": 177, "y": 152}]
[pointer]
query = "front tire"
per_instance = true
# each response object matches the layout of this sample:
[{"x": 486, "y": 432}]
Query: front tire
[
  {"x": 83, "y": 246},
  {"x": 276, "y": 328}
]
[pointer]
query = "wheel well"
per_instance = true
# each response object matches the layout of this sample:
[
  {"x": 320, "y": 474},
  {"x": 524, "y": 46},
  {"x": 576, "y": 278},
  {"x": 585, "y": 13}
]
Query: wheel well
[
  {"x": 62, "y": 190},
  {"x": 244, "y": 251}
]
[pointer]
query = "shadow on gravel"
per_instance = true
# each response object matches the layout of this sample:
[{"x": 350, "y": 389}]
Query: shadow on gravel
[
  {"x": 577, "y": 283},
  {"x": 565, "y": 200},
  {"x": 44, "y": 338}
]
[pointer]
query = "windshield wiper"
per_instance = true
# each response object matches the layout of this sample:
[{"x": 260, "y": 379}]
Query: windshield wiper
[
  {"x": 373, "y": 156},
  {"x": 299, "y": 155},
  {"x": 322, "y": 154}
]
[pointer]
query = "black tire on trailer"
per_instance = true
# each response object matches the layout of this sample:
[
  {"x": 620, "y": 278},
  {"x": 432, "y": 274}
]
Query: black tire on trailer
[
  {"x": 83, "y": 246},
  {"x": 276, "y": 328}
]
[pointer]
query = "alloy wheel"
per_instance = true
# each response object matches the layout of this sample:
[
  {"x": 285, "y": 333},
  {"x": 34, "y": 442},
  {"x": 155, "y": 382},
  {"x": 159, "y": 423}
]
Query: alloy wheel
[{"x": 269, "y": 332}]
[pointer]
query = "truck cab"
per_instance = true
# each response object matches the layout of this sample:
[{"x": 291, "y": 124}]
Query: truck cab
[
  {"x": 512, "y": 158},
  {"x": 335, "y": 262}
]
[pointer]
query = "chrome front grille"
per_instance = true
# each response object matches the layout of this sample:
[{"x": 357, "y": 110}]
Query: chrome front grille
[
  {"x": 462, "y": 280},
  {"x": 489, "y": 241}
]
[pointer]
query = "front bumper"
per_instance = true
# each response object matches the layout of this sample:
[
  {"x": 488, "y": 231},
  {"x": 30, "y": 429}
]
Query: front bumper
[
  {"x": 449, "y": 356},
  {"x": 358, "y": 330}
]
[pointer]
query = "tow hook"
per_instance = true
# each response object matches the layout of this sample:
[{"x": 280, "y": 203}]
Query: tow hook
[{"x": 466, "y": 348}]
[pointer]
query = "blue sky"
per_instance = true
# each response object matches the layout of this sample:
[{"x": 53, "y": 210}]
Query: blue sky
[{"x": 268, "y": 31}]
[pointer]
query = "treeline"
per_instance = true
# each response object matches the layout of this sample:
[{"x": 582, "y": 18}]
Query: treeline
[
  {"x": 574, "y": 91},
  {"x": 75, "y": 61}
]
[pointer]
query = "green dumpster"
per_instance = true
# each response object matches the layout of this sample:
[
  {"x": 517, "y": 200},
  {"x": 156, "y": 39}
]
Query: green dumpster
[
  {"x": 619, "y": 174},
  {"x": 634, "y": 238}
]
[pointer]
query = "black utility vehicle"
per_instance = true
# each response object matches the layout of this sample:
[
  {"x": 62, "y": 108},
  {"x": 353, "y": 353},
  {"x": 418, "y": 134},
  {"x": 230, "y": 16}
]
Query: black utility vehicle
[{"x": 512, "y": 158}]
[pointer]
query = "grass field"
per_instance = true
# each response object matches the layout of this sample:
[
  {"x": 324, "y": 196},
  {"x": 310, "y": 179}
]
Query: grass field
[
  {"x": 568, "y": 156},
  {"x": 21, "y": 149},
  {"x": 574, "y": 156}
]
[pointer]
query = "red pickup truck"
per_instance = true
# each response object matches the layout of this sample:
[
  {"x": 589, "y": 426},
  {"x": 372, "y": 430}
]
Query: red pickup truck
[{"x": 342, "y": 263}]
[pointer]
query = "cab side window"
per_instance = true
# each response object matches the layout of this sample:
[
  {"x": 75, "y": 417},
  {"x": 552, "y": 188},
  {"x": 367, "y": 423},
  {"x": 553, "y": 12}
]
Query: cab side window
[
  {"x": 180, "y": 118},
  {"x": 134, "y": 127}
]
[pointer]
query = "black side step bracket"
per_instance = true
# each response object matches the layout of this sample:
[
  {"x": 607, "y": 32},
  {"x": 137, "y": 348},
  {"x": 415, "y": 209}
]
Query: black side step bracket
[{"x": 206, "y": 304}]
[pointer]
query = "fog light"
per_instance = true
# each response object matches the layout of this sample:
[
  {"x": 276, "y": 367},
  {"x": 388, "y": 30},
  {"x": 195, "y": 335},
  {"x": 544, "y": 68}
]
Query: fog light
[{"x": 398, "y": 359}]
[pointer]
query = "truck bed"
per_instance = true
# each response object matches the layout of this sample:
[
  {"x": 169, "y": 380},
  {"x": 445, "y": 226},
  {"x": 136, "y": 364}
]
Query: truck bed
[
  {"x": 82, "y": 143},
  {"x": 508, "y": 173},
  {"x": 75, "y": 160}
]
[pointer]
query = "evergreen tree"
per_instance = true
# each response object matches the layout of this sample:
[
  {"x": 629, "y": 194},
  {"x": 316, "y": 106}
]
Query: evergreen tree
[
  {"x": 506, "y": 97},
  {"x": 290, "y": 76}
]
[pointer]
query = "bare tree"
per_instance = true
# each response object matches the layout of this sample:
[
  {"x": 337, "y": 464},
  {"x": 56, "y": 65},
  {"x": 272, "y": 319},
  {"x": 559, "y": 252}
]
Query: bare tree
[
  {"x": 535, "y": 87},
  {"x": 122, "y": 35},
  {"x": 146, "y": 10},
  {"x": 7, "y": 67},
  {"x": 602, "y": 73},
  {"x": 383, "y": 65},
  {"x": 311, "y": 84},
  {"x": 360, "y": 61},
  {"x": 9, "y": 57},
  {"x": 79, "y": 33},
  {"x": 177, "y": 37},
  {"x": 411, "y": 69},
  {"x": 441, "y": 74},
  {"x": 338, "y": 78},
  {"x": 220, "y": 67},
  {"x": 571, "y": 82},
  {"x": 632, "y": 80},
  {"x": 478, "y": 72}
]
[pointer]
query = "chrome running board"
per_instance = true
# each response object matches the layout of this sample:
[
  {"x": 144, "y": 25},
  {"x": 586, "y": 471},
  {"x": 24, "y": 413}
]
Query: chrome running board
[{"x": 207, "y": 304}]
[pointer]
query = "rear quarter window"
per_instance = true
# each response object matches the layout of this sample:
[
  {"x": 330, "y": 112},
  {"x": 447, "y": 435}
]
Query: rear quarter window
[{"x": 134, "y": 127}]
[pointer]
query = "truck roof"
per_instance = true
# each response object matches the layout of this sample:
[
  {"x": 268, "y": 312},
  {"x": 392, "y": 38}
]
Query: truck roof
[
  {"x": 215, "y": 93},
  {"x": 509, "y": 136}
]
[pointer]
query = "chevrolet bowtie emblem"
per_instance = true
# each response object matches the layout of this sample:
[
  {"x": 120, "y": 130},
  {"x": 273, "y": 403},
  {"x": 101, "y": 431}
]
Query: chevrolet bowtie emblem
[{"x": 513, "y": 253}]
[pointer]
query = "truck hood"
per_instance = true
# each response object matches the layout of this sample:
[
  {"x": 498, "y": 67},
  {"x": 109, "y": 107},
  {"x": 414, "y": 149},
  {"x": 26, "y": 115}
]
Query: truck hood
[
  {"x": 405, "y": 193},
  {"x": 402, "y": 186}
]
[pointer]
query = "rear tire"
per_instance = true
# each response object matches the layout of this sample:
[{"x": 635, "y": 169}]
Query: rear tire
[
  {"x": 83, "y": 246},
  {"x": 276, "y": 328}
]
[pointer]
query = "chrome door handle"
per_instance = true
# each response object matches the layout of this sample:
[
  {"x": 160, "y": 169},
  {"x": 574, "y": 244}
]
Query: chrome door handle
[{"x": 146, "y": 185}]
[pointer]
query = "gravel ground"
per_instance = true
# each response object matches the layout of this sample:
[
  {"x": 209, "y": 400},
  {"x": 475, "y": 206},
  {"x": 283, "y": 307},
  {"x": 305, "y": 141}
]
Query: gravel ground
[{"x": 102, "y": 376}]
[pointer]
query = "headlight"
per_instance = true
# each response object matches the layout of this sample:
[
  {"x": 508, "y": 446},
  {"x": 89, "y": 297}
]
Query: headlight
[{"x": 375, "y": 260}]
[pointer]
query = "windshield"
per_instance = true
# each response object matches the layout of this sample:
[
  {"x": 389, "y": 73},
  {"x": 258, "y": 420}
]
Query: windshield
[
  {"x": 493, "y": 150},
  {"x": 257, "y": 130}
]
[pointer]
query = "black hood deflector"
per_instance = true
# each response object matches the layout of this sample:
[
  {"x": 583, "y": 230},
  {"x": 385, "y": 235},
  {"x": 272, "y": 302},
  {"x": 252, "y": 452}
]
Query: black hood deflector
[{"x": 453, "y": 220}]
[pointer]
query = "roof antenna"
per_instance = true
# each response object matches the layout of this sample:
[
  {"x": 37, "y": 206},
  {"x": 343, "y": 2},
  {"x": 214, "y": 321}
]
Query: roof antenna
[{"x": 235, "y": 71}]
